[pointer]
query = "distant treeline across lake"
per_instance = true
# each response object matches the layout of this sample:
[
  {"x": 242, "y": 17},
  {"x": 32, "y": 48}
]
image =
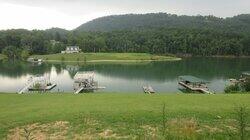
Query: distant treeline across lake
[{"x": 151, "y": 33}]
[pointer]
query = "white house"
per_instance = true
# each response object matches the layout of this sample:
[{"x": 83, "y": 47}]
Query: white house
[{"x": 72, "y": 49}]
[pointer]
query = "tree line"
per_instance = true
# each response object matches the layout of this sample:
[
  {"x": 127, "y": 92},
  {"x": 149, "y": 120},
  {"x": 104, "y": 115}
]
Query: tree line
[{"x": 21, "y": 43}]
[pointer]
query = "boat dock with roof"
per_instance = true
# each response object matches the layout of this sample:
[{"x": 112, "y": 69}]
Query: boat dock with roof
[
  {"x": 38, "y": 83},
  {"x": 84, "y": 82},
  {"x": 194, "y": 84},
  {"x": 242, "y": 79}
]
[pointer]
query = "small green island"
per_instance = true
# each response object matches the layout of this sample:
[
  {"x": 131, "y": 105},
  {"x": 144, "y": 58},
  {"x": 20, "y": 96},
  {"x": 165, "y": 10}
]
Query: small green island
[{"x": 104, "y": 57}]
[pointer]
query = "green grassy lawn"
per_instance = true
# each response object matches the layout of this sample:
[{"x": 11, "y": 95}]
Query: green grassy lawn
[
  {"x": 120, "y": 116},
  {"x": 104, "y": 57}
]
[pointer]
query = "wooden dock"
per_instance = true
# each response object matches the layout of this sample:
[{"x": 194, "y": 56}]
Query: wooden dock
[
  {"x": 198, "y": 89},
  {"x": 47, "y": 88},
  {"x": 81, "y": 89},
  {"x": 148, "y": 89},
  {"x": 84, "y": 82},
  {"x": 26, "y": 88},
  {"x": 194, "y": 84},
  {"x": 42, "y": 81}
]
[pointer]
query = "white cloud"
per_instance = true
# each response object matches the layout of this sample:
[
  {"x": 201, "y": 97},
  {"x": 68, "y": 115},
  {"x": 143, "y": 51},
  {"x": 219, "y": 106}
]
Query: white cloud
[
  {"x": 42, "y": 14},
  {"x": 19, "y": 16}
]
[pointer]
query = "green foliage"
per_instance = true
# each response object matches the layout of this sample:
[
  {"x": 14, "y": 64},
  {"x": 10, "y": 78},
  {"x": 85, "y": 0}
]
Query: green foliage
[
  {"x": 242, "y": 120},
  {"x": 233, "y": 88},
  {"x": 12, "y": 52},
  {"x": 62, "y": 58},
  {"x": 37, "y": 86},
  {"x": 246, "y": 84},
  {"x": 2, "y": 56},
  {"x": 151, "y": 33},
  {"x": 238, "y": 23},
  {"x": 25, "y": 54}
]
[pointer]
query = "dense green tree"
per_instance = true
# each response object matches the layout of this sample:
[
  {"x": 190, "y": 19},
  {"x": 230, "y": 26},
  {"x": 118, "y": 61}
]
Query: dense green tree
[{"x": 12, "y": 52}]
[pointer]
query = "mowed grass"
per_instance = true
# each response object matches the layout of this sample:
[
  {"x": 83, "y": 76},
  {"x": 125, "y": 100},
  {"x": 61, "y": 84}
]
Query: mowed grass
[
  {"x": 126, "y": 116},
  {"x": 93, "y": 57}
]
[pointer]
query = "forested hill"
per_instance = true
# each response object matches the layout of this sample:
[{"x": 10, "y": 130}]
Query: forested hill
[
  {"x": 149, "y": 33},
  {"x": 240, "y": 23}
]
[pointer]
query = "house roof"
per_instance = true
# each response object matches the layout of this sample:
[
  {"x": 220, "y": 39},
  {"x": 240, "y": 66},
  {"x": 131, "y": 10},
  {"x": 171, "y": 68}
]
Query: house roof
[{"x": 192, "y": 79}]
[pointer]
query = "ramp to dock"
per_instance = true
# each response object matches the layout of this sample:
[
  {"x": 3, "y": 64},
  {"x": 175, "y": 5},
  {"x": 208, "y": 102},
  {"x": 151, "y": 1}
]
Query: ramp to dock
[
  {"x": 79, "y": 90},
  {"x": 148, "y": 89},
  {"x": 26, "y": 87}
]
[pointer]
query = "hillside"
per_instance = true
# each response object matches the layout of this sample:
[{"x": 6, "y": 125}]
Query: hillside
[{"x": 154, "y": 20}]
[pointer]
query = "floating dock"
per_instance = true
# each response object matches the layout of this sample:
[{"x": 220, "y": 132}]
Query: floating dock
[
  {"x": 148, "y": 89},
  {"x": 194, "y": 84},
  {"x": 26, "y": 88},
  {"x": 38, "y": 83},
  {"x": 47, "y": 88},
  {"x": 84, "y": 82},
  {"x": 242, "y": 79}
]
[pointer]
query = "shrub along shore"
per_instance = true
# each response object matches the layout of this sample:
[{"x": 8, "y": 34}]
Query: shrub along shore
[
  {"x": 2, "y": 56},
  {"x": 104, "y": 57},
  {"x": 124, "y": 116}
]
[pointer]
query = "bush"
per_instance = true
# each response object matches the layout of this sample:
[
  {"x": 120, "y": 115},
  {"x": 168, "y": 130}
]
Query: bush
[
  {"x": 246, "y": 85},
  {"x": 62, "y": 58},
  {"x": 241, "y": 117},
  {"x": 232, "y": 88},
  {"x": 37, "y": 86}
]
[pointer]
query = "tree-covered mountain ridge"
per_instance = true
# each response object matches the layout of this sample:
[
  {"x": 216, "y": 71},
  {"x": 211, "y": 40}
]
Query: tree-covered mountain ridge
[
  {"x": 239, "y": 23},
  {"x": 149, "y": 33}
]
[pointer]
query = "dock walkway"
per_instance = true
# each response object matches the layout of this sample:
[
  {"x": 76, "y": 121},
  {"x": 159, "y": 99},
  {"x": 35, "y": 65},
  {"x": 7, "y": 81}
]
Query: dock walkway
[
  {"x": 26, "y": 88},
  {"x": 199, "y": 89},
  {"x": 148, "y": 89}
]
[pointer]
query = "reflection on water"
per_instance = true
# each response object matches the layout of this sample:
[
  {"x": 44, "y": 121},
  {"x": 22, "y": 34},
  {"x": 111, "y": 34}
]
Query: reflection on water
[{"x": 127, "y": 77}]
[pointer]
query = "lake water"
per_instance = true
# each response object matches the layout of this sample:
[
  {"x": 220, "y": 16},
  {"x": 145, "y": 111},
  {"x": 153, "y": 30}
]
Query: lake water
[{"x": 127, "y": 78}]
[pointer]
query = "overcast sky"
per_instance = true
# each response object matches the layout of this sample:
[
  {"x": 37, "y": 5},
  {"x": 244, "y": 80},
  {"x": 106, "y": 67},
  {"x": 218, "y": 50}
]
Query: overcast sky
[{"x": 68, "y": 14}]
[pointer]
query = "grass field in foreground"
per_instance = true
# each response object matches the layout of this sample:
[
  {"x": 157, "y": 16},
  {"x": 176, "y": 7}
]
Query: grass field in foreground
[
  {"x": 120, "y": 116},
  {"x": 95, "y": 57}
]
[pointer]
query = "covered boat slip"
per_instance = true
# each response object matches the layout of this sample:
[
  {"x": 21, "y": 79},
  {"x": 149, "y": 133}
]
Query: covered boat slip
[
  {"x": 38, "y": 83},
  {"x": 242, "y": 79},
  {"x": 194, "y": 84},
  {"x": 84, "y": 82},
  {"x": 246, "y": 74}
]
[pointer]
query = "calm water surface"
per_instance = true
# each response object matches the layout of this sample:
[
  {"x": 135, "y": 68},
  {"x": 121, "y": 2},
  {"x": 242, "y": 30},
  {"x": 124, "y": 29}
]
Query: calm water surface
[{"x": 127, "y": 78}]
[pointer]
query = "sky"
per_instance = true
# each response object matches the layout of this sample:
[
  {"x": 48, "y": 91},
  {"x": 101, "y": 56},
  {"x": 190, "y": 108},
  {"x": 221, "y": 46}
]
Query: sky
[{"x": 69, "y": 14}]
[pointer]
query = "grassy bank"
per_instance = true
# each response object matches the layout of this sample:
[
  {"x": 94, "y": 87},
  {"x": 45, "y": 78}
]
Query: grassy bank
[
  {"x": 104, "y": 57},
  {"x": 114, "y": 116}
]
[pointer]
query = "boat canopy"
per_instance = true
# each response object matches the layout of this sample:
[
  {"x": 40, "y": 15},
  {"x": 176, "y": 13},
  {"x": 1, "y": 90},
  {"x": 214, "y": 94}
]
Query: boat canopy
[
  {"x": 192, "y": 79},
  {"x": 84, "y": 76},
  {"x": 246, "y": 73}
]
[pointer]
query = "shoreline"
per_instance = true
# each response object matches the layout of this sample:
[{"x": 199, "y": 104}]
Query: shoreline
[
  {"x": 118, "y": 61},
  {"x": 215, "y": 56}
]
